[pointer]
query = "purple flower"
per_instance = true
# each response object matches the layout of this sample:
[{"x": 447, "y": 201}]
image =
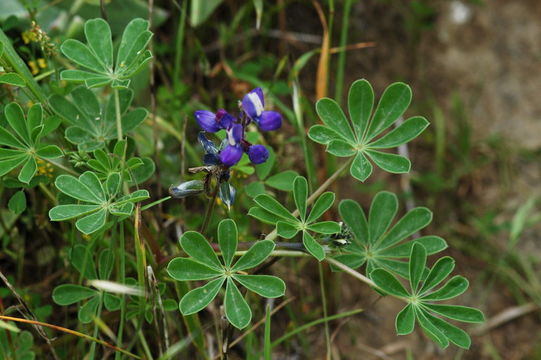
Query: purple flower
[
  {"x": 231, "y": 155},
  {"x": 212, "y": 122},
  {"x": 258, "y": 154},
  {"x": 253, "y": 105},
  {"x": 207, "y": 120},
  {"x": 270, "y": 120}
]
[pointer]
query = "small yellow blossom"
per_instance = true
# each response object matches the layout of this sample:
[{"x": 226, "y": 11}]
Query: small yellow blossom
[{"x": 45, "y": 168}]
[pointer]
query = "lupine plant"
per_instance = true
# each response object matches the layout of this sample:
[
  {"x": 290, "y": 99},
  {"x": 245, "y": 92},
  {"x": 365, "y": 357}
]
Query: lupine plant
[{"x": 98, "y": 199}]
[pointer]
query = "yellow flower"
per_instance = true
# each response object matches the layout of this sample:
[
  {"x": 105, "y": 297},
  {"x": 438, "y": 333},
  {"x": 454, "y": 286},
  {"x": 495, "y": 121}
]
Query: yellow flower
[
  {"x": 42, "y": 63},
  {"x": 45, "y": 168},
  {"x": 28, "y": 36},
  {"x": 33, "y": 67}
]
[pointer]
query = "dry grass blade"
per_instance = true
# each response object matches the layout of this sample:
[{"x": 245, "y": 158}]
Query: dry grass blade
[
  {"x": 505, "y": 316},
  {"x": 323, "y": 66},
  {"x": 69, "y": 331}
]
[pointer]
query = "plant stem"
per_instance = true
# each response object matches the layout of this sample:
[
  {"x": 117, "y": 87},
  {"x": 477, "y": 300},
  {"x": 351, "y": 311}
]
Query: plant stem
[
  {"x": 210, "y": 208},
  {"x": 308, "y": 159},
  {"x": 351, "y": 272},
  {"x": 316, "y": 193},
  {"x": 60, "y": 166},
  {"x": 122, "y": 280},
  {"x": 324, "y": 305},
  {"x": 342, "y": 55},
  {"x": 96, "y": 328},
  {"x": 313, "y": 323},
  {"x": 287, "y": 253},
  {"x": 18, "y": 65},
  {"x": 179, "y": 46},
  {"x": 118, "y": 116}
]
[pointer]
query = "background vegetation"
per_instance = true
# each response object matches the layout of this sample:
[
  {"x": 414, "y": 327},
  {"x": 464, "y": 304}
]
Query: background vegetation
[{"x": 472, "y": 67}]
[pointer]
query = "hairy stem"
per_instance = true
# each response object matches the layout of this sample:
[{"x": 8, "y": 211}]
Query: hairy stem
[{"x": 118, "y": 116}]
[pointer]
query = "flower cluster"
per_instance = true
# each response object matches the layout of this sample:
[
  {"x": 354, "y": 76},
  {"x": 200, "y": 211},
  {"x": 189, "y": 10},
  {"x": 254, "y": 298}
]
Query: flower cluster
[{"x": 252, "y": 109}]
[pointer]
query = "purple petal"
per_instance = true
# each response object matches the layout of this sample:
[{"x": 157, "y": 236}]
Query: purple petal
[
  {"x": 253, "y": 103},
  {"x": 259, "y": 93},
  {"x": 235, "y": 134},
  {"x": 258, "y": 154},
  {"x": 224, "y": 119},
  {"x": 207, "y": 120},
  {"x": 231, "y": 155},
  {"x": 270, "y": 120}
]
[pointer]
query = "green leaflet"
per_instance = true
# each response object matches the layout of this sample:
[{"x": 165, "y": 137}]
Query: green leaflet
[
  {"x": 100, "y": 199},
  {"x": 96, "y": 56},
  {"x": 359, "y": 136},
  {"x": 375, "y": 243},
  {"x": 21, "y": 143},
  {"x": 203, "y": 264},
  {"x": 288, "y": 226},
  {"x": 421, "y": 307}
]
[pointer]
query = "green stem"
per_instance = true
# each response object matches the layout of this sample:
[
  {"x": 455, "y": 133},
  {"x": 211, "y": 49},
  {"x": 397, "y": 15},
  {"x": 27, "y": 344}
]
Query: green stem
[
  {"x": 285, "y": 253},
  {"x": 316, "y": 193},
  {"x": 122, "y": 280},
  {"x": 48, "y": 193},
  {"x": 325, "y": 315},
  {"x": 179, "y": 46},
  {"x": 13, "y": 60},
  {"x": 313, "y": 323},
  {"x": 342, "y": 55},
  {"x": 210, "y": 208},
  {"x": 96, "y": 328},
  {"x": 62, "y": 167},
  {"x": 118, "y": 115}
]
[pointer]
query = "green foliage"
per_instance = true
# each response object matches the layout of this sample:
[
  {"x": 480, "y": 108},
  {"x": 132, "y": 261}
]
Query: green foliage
[
  {"x": 287, "y": 225},
  {"x": 17, "y": 203},
  {"x": 376, "y": 245},
  {"x": 17, "y": 346},
  {"x": 282, "y": 181},
  {"x": 92, "y": 125},
  {"x": 10, "y": 78},
  {"x": 98, "y": 200},
  {"x": 203, "y": 264},
  {"x": 68, "y": 294},
  {"x": 360, "y": 141},
  {"x": 96, "y": 128},
  {"x": 421, "y": 307},
  {"x": 22, "y": 145},
  {"x": 96, "y": 57}
]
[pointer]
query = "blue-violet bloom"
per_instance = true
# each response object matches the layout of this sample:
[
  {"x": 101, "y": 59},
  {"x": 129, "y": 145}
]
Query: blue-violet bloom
[
  {"x": 232, "y": 153},
  {"x": 213, "y": 122},
  {"x": 258, "y": 154},
  {"x": 253, "y": 105}
]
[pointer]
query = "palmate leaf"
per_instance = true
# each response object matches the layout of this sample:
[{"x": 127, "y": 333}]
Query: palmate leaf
[
  {"x": 92, "y": 124},
  {"x": 378, "y": 245},
  {"x": 136, "y": 170},
  {"x": 357, "y": 137},
  {"x": 96, "y": 57},
  {"x": 23, "y": 142},
  {"x": 205, "y": 265},
  {"x": 270, "y": 211},
  {"x": 99, "y": 200},
  {"x": 83, "y": 260},
  {"x": 421, "y": 306}
]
